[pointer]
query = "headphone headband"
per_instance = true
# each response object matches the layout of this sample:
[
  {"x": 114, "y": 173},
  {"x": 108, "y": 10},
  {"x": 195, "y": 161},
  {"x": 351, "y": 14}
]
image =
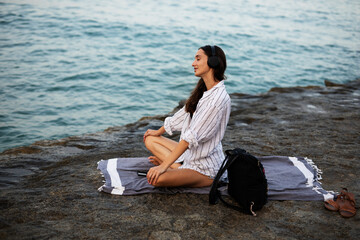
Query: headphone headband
[{"x": 213, "y": 50}]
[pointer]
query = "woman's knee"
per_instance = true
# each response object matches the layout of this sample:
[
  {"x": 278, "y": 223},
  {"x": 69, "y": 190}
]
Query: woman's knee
[
  {"x": 164, "y": 180},
  {"x": 149, "y": 142},
  {"x": 160, "y": 183}
]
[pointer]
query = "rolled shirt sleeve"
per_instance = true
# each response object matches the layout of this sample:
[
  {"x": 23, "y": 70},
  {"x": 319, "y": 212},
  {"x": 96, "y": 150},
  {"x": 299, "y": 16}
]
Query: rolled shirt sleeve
[
  {"x": 203, "y": 126},
  {"x": 175, "y": 123}
]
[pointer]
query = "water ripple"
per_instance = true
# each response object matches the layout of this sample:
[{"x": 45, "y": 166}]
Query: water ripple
[{"x": 75, "y": 66}]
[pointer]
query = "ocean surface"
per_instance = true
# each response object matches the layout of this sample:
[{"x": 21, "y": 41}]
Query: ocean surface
[{"x": 79, "y": 66}]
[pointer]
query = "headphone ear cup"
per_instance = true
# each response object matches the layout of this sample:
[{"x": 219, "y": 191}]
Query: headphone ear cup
[{"x": 213, "y": 61}]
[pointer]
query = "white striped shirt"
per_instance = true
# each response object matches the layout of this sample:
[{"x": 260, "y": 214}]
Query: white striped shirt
[{"x": 204, "y": 131}]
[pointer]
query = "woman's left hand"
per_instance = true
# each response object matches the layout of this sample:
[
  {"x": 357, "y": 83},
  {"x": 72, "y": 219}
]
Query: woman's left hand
[
  {"x": 154, "y": 173},
  {"x": 151, "y": 132}
]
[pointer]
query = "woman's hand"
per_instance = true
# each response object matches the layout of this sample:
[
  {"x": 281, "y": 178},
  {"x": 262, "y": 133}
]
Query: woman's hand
[
  {"x": 151, "y": 132},
  {"x": 154, "y": 173}
]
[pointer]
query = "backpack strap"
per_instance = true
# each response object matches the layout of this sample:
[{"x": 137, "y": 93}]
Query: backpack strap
[
  {"x": 214, "y": 192},
  {"x": 240, "y": 209}
]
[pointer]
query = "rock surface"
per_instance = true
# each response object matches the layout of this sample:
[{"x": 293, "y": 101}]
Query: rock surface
[{"x": 49, "y": 189}]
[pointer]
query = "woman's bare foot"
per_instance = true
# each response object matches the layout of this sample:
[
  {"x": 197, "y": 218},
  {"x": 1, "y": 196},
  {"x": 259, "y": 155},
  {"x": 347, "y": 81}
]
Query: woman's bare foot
[{"x": 154, "y": 160}]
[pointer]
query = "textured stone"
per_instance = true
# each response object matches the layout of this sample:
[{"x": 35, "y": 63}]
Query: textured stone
[{"x": 48, "y": 190}]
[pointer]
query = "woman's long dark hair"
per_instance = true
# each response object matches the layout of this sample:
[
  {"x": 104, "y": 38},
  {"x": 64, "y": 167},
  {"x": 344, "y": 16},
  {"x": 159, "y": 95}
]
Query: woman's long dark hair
[{"x": 200, "y": 88}]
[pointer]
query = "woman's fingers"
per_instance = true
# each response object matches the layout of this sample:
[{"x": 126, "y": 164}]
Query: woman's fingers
[
  {"x": 154, "y": 179},
  {"x": 154, "y": 174},
  {"x": 151, "y": 176},
  {"x": 146, "y": 134},
  {"x": 151, "y": 132}
]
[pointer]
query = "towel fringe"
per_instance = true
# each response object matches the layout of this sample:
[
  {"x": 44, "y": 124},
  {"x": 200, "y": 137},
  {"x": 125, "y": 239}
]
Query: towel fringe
[{"x": 318, "y": 170}]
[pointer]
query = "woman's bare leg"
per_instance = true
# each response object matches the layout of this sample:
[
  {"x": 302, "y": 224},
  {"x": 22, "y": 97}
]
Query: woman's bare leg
[
  {"x": 184, "y": 178},
  {"x": 161, "y": 147}
]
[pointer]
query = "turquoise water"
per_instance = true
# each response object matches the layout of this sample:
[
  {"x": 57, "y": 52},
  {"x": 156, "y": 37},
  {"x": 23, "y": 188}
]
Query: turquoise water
[{"x": 79, "y": 66}]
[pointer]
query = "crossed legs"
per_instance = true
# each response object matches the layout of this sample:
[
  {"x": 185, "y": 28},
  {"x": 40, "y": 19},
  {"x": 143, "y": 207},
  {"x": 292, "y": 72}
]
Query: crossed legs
[{"x": 161, "y": 147}]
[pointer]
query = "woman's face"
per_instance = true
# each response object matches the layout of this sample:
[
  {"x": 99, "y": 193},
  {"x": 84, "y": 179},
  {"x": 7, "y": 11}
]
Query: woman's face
[{"x": 200, "y": 63}]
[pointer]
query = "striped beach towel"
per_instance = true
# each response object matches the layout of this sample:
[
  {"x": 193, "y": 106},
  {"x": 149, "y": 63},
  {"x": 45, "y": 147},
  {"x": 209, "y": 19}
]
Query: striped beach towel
[{"x": 289, "y": 178}]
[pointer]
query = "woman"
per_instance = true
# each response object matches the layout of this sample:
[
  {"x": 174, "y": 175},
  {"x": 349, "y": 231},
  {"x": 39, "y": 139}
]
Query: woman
[{"x": 195, "y": 160}]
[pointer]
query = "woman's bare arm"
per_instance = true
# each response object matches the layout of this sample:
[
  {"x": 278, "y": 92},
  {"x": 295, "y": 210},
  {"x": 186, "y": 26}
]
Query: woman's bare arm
[{"x": 155, "y": 172}]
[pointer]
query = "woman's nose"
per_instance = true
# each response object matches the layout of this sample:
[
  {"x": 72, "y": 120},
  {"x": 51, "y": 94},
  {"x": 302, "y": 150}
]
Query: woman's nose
[{"x": 193, "y": 64}]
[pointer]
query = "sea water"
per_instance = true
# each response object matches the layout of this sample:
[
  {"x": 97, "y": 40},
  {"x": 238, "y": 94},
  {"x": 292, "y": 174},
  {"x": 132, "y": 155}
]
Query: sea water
[{"x": 77, "y": 66}]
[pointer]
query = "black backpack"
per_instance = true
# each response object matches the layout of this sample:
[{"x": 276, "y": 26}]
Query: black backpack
[{"x": 247, "y": 182}]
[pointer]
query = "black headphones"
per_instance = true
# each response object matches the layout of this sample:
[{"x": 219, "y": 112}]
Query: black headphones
[{"x": 213, "y": 60}]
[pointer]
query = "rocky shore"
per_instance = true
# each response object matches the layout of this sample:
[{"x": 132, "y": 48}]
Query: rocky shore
[{"x": 48, "y": 190}]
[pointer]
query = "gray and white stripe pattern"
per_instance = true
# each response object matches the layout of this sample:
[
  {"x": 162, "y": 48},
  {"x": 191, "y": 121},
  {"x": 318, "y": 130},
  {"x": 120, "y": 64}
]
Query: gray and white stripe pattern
[
  {"x": 289, "y": 178},
  {"x": 204, "y": 131}
]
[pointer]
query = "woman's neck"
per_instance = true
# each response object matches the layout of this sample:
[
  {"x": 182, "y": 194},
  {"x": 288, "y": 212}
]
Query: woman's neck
[{"x": 209, "y": 80}]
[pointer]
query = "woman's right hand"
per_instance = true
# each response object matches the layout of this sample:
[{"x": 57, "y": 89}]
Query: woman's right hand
[
  {"x": 151, "y": 132},
  {"x": 154, "y": 173}
]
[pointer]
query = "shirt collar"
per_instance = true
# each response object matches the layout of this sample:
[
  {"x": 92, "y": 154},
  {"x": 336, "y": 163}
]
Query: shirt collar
[{"x": 219, "y": 85}]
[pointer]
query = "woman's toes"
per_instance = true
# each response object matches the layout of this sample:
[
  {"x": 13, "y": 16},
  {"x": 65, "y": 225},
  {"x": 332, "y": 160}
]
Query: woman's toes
[{"x": 154, "y": 160}]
